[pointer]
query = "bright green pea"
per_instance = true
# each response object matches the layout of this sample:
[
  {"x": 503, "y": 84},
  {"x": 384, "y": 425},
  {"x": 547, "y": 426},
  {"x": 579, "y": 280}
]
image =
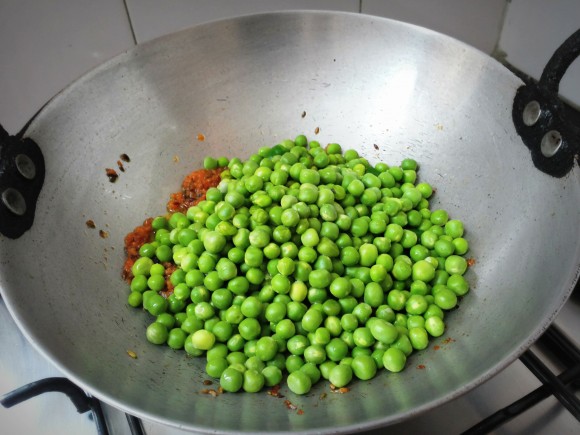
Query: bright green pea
[
  {"x": 315, "y": 354},
  {"x": 445, "y": 299},
  {"x": 311, "y": 320},
  {"x": 458, "y": 284},
  {"x": 340, "y": 287},
  {"x": 142, "y": 266},
  {"x": 272, "y": 376},
  {"x": 135, "y": 299},
  {"x": 439, "y": 217},
  {"x": 214, "y": 242},
  {"x": 203, "y": 339},
  {"x": 364, "y": 367},
  {"x": 231, "y": 380},
  {"x": 394, "y": 359},
  {"x": 176, "y": 338},
  {"x": 320, "y": 278},
  {"x": 461, "y": 246},
  {"x": 423, "y": 271},
  {"x": 299, "y": 382},
  {"x": 419, "y": 338},
  {"x": 435, "y": 326},
  {"x": 340, "y": 375},
  {"x": 402, "y": 270},
  {"x": 455, "y": 265},
  {"x": 383, "y": 331},
  {"x": 157, "y": 333},
  {"x": 139, "y": 283},
  {"x": 216, "y": 366}
]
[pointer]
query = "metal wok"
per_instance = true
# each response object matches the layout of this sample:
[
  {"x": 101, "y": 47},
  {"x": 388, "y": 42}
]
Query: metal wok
[{"x": 244, "y": 83}]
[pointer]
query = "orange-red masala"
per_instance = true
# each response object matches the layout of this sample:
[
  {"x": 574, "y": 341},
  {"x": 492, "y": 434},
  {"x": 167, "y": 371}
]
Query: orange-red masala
[{"x": 192, "y": 192}]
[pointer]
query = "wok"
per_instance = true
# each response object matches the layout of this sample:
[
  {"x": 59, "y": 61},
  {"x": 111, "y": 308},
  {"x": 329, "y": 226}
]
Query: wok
[{"x": 244, "y": 83}]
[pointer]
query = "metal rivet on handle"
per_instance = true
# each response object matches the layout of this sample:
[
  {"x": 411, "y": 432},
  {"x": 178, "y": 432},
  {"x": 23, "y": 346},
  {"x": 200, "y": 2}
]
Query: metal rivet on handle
[
  {"x": 25, "y": 166},
  {"x": 551, "y": 143},
  {"x": 531, "y": 113},
  {"x": 14, "y": 201}
]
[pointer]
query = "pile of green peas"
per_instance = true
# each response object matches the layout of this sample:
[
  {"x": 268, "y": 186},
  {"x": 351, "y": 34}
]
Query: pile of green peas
[{"x": 304, "y": 261}]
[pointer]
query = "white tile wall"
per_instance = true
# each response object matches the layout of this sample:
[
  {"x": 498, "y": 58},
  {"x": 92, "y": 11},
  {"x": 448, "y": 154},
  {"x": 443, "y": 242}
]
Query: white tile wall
[
  {"x": 152, "y": 18},
  {"x": 45, "y": 45},
  {"x": 477, "y": 22},
  {"x": 533, "y": 30}
]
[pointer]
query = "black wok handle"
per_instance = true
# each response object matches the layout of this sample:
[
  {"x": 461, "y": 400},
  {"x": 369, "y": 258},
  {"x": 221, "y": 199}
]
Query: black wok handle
[
  {"x": 540, "y": 119},
  {"x": 21, "y": 178}
]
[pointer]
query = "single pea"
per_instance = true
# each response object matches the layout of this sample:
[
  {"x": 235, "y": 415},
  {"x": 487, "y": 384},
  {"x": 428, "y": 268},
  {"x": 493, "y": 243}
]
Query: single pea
[
  {"x": 402, "y": 270},
  {"x": 423, "y": 271},
  {"x": 214, "y": 242},
  {"x": 311, "y": 320},
  {"x": 147, "y": 250},
  {"x": 249, "y": 328},
  {"x": 315, "y": 353},
  {"x": 142, "y": 266},
  {"x": 285, "y": 329},
  {"x": 320, "y": 278},
  {"x": 396, "y": 300},
  {"x": 461, "y": 245},
  {"x": 297, "y": 344},
  {"x": 439, "y": 217},
  {"x": 394, "y": 359},
  {"x": 445, "y": 299},
  {"x": 293, "y": 363},
  {"x": 231, "y": 380},
  {"x": 455, "y": 265},
  {"x": 272, "y": 376},
  {"x": 210, "y": 163},
  {"x": 458, "y": 284},
  {"x": 435, "y": 326},
  {"x": 139, "y": 283},
  {"x": 155, "y": 304},
  {"x": 253, "y": 381},
  {"x": 364, "y": 367},
  {"x": 383, "y": 331},
  {"x": 135, "y": 299},
  {"x": 340, "y": 375},
  {"x": 176, "y": 338},
  {"x": 299, "y": 382},
  {"x": 157, "y": 333},
  {"x": 419, "y": 338},
  {"x": 216, "y": 366},
  {"x": 362, "y": 337}
]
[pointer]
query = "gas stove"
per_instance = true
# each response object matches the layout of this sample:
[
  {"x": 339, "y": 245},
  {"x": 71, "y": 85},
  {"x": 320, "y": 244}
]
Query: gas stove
[{"x": 537, "y": 394}]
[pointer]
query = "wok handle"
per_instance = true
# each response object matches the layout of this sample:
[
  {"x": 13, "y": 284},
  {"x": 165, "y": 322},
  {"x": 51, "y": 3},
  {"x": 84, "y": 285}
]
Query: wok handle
[
  {"x": 21, "y": 178},
  {"x": 540, "y": 116}
]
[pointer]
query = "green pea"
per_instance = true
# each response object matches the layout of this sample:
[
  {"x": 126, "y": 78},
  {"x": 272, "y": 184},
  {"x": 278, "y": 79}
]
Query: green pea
[
  {"x": 394, "y": 359},
  {"x": 458, "y": 284},
  {"x": 231, "y": 380},
  {"x": 299, "y": 382},
  {"x": 157, "y": 333},
  {"x": 454, "y": 264},
  {"x": 364, "y": 367},
  {"x": 419, "y": 338}
]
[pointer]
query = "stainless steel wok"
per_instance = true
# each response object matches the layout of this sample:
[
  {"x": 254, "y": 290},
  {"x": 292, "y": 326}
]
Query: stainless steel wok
[{"x": 244, "y": 83}]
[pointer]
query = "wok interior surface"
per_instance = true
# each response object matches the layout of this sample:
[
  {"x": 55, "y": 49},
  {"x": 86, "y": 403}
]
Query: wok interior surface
[{"x": 245, "y": 83}]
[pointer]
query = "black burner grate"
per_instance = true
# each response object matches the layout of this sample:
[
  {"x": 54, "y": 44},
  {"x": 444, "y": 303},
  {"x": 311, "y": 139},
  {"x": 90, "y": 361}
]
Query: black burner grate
[{"x": 562, "y": 386}]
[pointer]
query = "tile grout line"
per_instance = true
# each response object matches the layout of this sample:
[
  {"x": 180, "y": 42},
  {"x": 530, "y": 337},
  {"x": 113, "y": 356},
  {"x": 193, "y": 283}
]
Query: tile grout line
[{"x": 130, "y": 22}]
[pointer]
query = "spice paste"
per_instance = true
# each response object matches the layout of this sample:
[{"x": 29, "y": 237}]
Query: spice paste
[{"x": 192, "y": 191}]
